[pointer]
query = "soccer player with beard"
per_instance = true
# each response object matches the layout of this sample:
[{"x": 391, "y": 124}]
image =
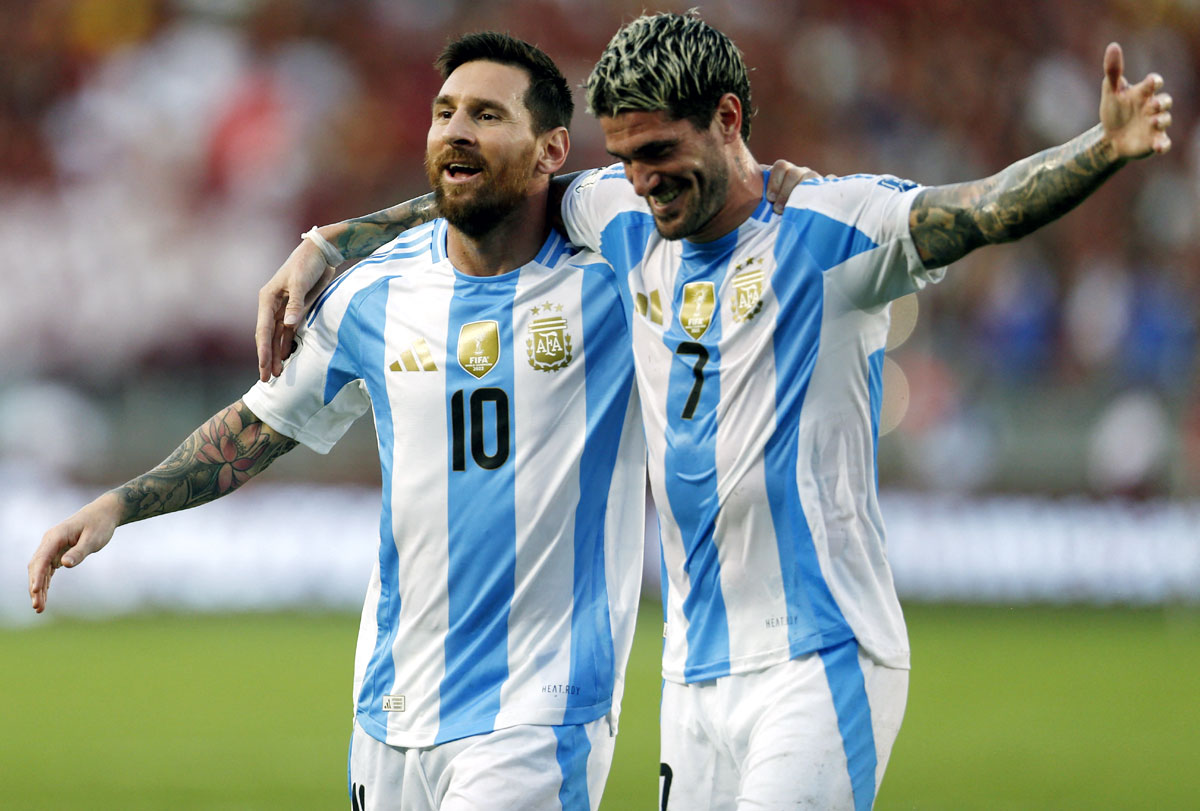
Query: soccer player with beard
[
  {"x": 758, "y": 340},
  {"x": 496, "y": 360}
]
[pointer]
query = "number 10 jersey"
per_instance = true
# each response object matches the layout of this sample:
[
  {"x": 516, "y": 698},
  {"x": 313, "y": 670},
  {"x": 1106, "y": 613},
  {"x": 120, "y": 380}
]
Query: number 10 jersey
[{"x": 513, "y": 468}]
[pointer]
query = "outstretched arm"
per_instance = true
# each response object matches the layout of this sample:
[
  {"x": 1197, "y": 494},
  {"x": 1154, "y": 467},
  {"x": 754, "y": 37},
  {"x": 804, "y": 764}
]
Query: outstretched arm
[
  {"x": 220, "y": 456},
  {"x": 947, "y": 222}
]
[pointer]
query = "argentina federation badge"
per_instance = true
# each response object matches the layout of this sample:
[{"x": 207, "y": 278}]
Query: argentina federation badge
[
  {"x": 695, "y": 316},
  {"x": 478, "y": 347},
  {"x": 746, "y": 301},
  {"x": 549, "y": 343}
]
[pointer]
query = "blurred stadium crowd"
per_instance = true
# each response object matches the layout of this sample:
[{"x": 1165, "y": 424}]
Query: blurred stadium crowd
[{"x": 159, "y": 158}]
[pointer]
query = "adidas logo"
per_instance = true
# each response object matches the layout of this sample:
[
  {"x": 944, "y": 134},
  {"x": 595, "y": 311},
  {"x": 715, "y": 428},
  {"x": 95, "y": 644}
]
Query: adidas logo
[{"x": 417, "y": 359}]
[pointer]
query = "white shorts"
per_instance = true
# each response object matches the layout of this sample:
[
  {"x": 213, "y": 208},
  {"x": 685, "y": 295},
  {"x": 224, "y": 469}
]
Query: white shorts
[
  {"x": 814, "y": 733},
  {"x": 523, "y": 768}
]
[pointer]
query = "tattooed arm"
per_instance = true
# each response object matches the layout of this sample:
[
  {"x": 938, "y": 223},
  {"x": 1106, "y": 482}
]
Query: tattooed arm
[
  {"x": 285, "y": 296},
  {"x": 947, "y": 222},
  {"x": 220, "y": 456}
]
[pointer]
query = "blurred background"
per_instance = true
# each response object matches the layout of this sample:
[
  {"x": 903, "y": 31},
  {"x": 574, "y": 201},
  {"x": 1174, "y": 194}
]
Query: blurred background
[{"x": 1041, "y": 430}]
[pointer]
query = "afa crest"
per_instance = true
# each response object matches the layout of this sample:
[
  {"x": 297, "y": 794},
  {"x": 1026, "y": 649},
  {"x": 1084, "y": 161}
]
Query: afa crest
[
  {"x": 746, "y": 301},
  {"x": 549, "y": 343}
]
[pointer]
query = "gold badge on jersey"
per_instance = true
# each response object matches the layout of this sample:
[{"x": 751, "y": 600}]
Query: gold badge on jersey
[
  {"x": 549, "y": 343},
  {"x": 695, "y": 315},
  {"x": 479, "y": 347},
  {"x": 746, "y": 300}
]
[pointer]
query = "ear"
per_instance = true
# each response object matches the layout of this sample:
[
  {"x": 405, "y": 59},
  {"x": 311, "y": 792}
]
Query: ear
[
  {"x": 728, "y": 118},
  {"x": 552, "y": 154}
]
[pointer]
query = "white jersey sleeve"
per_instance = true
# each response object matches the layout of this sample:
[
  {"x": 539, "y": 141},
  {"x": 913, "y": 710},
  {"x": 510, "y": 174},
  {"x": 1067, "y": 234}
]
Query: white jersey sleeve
[
  {"x": 319, "y": 394},
  {"x": 877, "y": 206},
  {"x": 595, "y": 201}
]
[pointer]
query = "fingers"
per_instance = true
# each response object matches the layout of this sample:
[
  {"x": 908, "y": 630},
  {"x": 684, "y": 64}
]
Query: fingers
[
  {"x": 281, "y": 347},
  {"x": 48, "y": 557},
  {"x": 785, "y": 176},
  {"x": 1114, "y": 66},
  {"x": 264, "y": 332}
]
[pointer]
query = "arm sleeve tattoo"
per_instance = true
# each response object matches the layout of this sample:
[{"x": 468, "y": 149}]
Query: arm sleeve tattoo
[
  {"x": 948, "y": 222},
  {"x": 219, "y": 456},
  {"x": 362, "y": 236}
]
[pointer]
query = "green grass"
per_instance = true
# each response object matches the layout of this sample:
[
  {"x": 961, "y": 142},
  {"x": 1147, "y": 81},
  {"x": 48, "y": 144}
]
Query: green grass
[{"x": 1023, "y": 708}]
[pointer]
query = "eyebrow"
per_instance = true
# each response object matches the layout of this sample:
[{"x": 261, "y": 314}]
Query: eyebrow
[
  {"x": 648, "y": 150},
  {"x": 472, "y": 101}
]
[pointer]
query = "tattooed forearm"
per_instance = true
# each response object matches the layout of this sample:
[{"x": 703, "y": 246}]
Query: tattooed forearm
[
  {"x": 362, "y": 236},
  {"x": 220, "y": 456},
  {"x": 947, "y": 222}
]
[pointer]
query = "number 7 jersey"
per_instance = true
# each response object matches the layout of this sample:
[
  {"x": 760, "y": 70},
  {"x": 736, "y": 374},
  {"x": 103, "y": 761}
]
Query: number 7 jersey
[
  {"x": 513, "y": 478},
  {"x": 759, "y": 365}
]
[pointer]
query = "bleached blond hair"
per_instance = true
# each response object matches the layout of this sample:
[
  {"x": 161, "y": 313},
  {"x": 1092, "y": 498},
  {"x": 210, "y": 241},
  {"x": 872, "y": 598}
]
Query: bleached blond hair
[{"x": 674, "y": 63}]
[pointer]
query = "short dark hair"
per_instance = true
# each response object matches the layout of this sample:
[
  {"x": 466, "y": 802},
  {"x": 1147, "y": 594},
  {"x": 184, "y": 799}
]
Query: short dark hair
[
  {"x": 548, "y": 97},
  {"x": 673, "y": 63}
]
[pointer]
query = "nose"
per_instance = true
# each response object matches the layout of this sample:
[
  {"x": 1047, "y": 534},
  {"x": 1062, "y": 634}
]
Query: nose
[
  {"x": 458, "y": 130},
  {"x": 644, "y": 179}
]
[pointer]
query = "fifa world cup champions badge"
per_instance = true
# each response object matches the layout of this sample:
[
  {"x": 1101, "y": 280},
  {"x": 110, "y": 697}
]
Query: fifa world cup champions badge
[
  {"x": 699, "y": 300},
  {"x": 549, "y": 343},
  {"x": 479, "y": 347}
]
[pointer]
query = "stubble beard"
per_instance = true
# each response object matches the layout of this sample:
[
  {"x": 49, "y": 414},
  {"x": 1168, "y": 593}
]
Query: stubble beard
[
  {"x": 476, "y": 212},
  {"x": 707, "y": 200}
]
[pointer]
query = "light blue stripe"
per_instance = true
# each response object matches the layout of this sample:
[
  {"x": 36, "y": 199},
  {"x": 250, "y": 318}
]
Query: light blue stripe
[
  {"x": 808, "y": 244},
  {"x": 572, "y": 755},
  {"x": 690, "y": 462},
  {"x": 438, "y": 241},
  {"x": 481, "y": 513},
  {"x": 853, "y": 710},
  {"x": 549, "y": 249},
  {"x": 875, "y": 390},
  {"x": 360, "y": 338},
  {"x": 608, "y": 384},
  {"x": 765, "y": 209}
]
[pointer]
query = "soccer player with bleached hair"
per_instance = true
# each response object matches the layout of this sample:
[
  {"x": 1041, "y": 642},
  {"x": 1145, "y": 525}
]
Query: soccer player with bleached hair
[
  {"x": 758, "y": 342},
  {"x": 495, "y": 358}
]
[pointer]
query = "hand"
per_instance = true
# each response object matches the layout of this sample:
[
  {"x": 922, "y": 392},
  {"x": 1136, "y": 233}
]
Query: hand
[
  {"x": 68, "y": 543},
  {"x": 1135, "y": 117},
  {"x": 785, "y": 176},
  {"x": 282, "y": 302}
]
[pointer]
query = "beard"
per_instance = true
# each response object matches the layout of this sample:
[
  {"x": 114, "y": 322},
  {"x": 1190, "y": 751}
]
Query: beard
[
  {"x": 477, "y": 211},
  {"x": 708, "y": 195}
]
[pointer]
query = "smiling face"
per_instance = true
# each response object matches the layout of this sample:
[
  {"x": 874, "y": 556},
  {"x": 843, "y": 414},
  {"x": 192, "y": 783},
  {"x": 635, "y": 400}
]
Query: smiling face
[
  {"x": 481, "y": 151},
  {"x": 680, "y": 170}
]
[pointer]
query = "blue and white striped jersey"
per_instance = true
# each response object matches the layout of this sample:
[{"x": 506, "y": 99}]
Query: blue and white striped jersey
[
  {"x": 513, "y": 467},
  {"x": 759, "y": 364}
]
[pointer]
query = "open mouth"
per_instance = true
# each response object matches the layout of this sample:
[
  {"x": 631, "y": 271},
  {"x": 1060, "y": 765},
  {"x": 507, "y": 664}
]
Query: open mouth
[
  {"x": 461, "y": 171},
  {"x": 665, "y": 197}
]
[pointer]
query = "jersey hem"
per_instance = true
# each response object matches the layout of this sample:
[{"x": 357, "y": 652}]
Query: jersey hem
[
  {"x": 549, "y": 717},
  {"x": 897, "y": 658}
]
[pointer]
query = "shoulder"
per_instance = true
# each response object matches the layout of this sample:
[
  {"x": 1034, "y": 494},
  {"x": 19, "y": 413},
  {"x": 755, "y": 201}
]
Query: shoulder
[
  {"x": 867, "y": 202},
  {"x": 607, "y": 185},
  {"x": 413, "y": 252}
]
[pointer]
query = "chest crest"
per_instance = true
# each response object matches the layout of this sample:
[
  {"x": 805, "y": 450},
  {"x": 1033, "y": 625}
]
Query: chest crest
[
  {"x": 548, "y": 343},
  {"x": 747, "y": 287}
]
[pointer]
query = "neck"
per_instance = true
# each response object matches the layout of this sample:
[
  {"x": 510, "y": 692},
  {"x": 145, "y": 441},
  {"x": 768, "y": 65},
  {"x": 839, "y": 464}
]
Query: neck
[
  {"x": 744, "y": 195},
  {"x": 513, "y": 242}
]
